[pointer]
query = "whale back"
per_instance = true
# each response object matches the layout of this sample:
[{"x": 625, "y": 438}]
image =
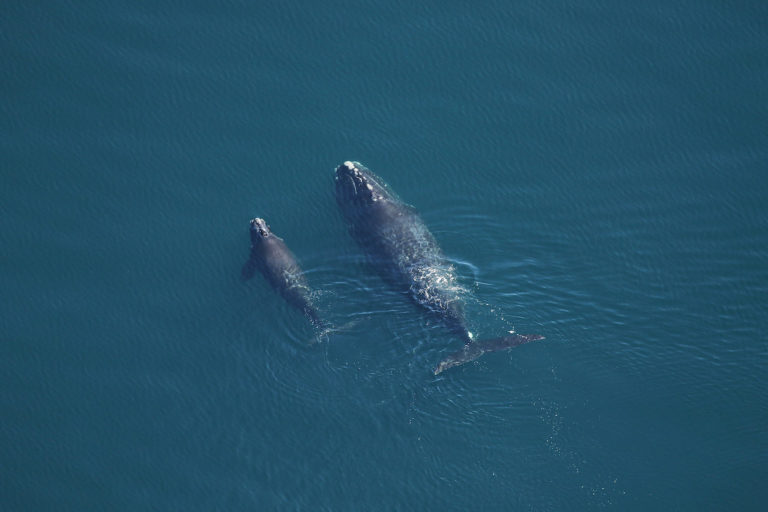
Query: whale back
[
  {"x": 274, "y": 260},
  {"x": 399, "y": 244}
]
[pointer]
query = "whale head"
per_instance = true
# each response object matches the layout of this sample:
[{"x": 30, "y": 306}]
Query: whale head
[
  {"x": 357, "y": 186},
  {"x": 259, "y": 230}
]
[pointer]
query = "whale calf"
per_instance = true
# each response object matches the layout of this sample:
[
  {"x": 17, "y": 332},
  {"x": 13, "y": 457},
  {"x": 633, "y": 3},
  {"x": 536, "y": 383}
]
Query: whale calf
[
  {"x": 400, "y": 246},
  {"x": 270, "y": 256}
]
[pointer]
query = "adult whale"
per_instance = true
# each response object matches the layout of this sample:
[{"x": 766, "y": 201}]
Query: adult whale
[
  {"x": 270, "y": 256},
  {"x": 399, "y": 245}
]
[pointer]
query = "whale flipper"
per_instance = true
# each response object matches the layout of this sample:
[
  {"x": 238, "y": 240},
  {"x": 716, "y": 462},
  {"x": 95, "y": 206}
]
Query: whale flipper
[
  {"x": 249, "y": 269},
  {"x": 473, "y": 350}
]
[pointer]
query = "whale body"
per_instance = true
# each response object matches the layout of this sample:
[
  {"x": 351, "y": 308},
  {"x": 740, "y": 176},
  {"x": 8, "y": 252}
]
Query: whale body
[
  {"x": 400, "y": 246},
  {"x": 272, "y": 258}
]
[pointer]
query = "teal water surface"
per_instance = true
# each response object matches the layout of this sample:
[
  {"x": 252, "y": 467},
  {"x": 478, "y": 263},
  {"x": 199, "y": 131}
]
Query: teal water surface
[{"x": 594, "y": 171}]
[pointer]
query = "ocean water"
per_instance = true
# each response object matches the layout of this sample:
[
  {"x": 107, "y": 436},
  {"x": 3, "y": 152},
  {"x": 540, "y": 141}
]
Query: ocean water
[{"x": 595, "y": 171}]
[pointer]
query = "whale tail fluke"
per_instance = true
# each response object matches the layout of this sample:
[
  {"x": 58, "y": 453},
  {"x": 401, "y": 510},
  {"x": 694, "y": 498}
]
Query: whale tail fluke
[{"x": 475, "y": 349}]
